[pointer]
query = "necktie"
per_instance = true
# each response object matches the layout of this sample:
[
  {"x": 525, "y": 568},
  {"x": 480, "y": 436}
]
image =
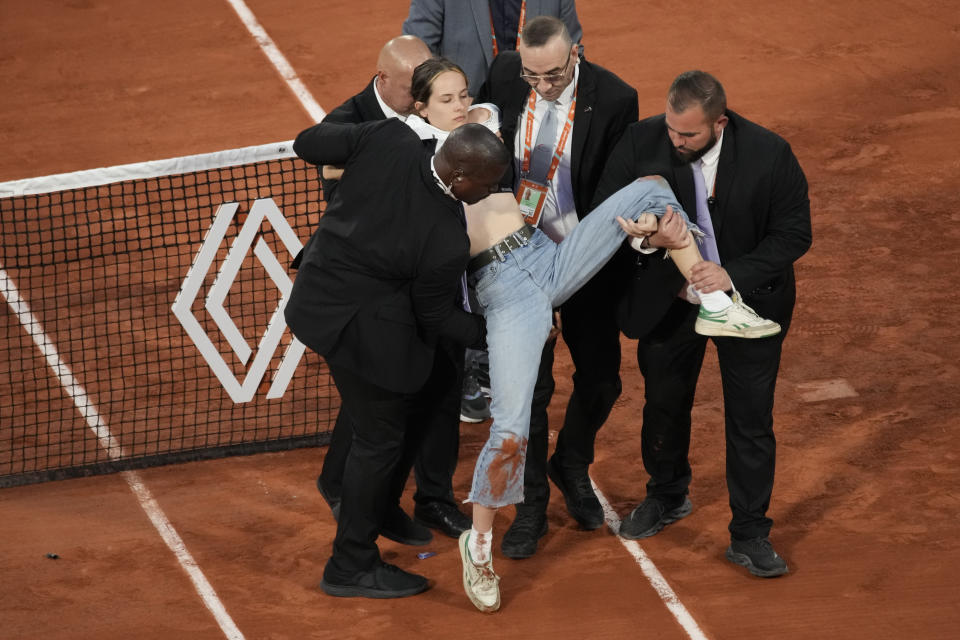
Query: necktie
[
  {"x": 708, "y": 249},
  {"x": 542, "y": 153}
]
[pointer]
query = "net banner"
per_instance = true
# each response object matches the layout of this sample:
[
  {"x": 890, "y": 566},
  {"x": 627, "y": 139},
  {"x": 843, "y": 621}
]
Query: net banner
[{"x": 141, "y": 315}]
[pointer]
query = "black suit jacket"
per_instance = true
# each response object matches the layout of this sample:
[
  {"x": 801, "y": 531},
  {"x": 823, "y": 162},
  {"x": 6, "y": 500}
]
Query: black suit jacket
[
  {"x": 761, "y": 219},
  {"x": 605, "y": 106},
  {"x": 362, "y": 107},
  {"x": 380, "y": 276}
]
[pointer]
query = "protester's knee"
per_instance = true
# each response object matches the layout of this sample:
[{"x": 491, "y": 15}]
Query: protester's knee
[{"x": 659, "y": 180}]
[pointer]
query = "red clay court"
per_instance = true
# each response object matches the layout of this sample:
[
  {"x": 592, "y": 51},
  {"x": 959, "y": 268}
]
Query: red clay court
[{"x": 867, "y": 498}]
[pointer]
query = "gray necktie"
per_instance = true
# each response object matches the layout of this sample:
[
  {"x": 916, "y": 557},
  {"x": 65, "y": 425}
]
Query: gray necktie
[
  {"x": 708, "y": 248},
  {"x": 542, "y": 153}
]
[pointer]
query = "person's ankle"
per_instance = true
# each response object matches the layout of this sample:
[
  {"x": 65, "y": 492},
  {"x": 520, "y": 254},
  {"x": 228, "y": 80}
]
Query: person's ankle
[{"x": 480, "y": 545}]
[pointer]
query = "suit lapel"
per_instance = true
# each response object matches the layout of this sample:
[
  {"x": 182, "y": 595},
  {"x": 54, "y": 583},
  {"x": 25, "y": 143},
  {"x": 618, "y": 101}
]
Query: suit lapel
[
  {"x": 726, "y": 168},
  {"x": 517, "y": 94},
  {"x": 586, "y": 98},
  {"x": 481, "y": 18},
  {"x": 683, "y": 174}
]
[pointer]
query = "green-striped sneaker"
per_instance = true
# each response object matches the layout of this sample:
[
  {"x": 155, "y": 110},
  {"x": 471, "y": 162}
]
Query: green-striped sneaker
[
  {"x": 736, "y": 321},
  {"x": 479, "y": 581}
]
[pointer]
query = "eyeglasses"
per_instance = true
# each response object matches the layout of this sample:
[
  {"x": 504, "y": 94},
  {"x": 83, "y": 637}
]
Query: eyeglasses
[{"x": 550, "y": 78}]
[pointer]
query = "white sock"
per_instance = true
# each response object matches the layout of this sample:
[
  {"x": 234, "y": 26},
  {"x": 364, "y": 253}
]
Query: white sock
[
  {"x": 715, "y": 301},
  {"x": 480, "y": 545}
]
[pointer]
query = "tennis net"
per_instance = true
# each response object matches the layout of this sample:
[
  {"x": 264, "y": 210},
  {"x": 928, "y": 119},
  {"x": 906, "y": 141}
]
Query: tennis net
[{"x": 141, "y": 320}]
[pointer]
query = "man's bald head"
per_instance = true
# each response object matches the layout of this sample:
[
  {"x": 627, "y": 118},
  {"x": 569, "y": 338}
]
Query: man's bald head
[
  {"x": 471, "y": 162},
  {"x": 395, "y": 65}
]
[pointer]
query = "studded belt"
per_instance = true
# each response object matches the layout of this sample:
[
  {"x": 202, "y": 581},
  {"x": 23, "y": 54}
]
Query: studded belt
[{"x": 515, "y": 240}]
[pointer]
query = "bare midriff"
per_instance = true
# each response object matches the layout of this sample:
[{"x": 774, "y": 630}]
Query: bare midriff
[{"x": 491, "y": 220}]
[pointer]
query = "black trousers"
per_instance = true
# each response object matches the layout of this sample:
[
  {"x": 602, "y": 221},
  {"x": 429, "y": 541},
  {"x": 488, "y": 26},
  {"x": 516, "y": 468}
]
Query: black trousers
[
  {"x": 386, "y": 436},
  {"x": 591, "y": 333},
  {"x": 435, "y": 460},
  {"x": 670, "y": 359}
]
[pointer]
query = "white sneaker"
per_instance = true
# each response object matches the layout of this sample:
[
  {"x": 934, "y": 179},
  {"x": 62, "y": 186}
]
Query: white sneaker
[
  {"x": 736, "y": 321},
  {"x": 479, "y": 581}
]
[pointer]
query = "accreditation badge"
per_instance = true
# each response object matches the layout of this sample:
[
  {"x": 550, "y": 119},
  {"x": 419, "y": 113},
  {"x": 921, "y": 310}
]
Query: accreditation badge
[{"x": 530, "y": 197}]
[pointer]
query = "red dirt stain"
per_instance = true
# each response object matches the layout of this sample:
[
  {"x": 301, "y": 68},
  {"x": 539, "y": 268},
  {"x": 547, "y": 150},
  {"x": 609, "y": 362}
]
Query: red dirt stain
[{"x": 507, "y": 464}]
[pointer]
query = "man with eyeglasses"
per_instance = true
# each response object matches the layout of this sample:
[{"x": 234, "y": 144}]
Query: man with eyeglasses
[{"x": 561, "y": 117}]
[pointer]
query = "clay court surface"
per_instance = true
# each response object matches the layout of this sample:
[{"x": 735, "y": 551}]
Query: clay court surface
[{"x": 867, "y": 500}]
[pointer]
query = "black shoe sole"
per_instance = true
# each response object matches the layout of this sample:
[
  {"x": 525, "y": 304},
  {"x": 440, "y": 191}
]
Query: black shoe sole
[
  {"x": 353, "y": 591},
  {"x": 512, "y": 552},
  {"x": 557, "y": 478},
  {"x": 413, "y": 542},
  {"x": 450, "y": 532},
  {"x": 447, "y": 531},
  {"x": 744, "y": 560},
  {"x": 668, "y": 518}
]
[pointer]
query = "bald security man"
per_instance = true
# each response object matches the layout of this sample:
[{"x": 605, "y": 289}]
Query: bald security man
[{"x": 387, "y": 95}]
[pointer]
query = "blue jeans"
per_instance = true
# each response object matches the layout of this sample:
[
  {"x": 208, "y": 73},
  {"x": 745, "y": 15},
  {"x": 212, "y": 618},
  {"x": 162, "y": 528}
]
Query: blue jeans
[{"x": 517, "y": 296}]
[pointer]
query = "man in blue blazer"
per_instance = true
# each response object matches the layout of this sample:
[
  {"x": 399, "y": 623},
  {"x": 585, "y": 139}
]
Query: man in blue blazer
[{"x": 473, "y": 32}]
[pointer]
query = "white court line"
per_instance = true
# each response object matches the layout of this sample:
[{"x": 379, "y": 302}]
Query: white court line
[
  {"x": 656, "y": 579},
  {"x": 278, "y": 60},
  {"x": 79, "y": 396}
]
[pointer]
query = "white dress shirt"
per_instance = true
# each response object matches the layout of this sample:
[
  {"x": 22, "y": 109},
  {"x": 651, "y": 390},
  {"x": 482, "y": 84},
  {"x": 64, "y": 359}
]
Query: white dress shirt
[
  {"x": 559, "y": 215},
  {"x": 711, "y": 160},
  {"x": 387, "y": 111}
]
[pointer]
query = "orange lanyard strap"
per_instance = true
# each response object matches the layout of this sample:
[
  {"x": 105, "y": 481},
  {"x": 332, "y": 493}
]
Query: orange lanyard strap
[
  {"x": 493, "y": 33},
  {"x": 561, "y": 143}
]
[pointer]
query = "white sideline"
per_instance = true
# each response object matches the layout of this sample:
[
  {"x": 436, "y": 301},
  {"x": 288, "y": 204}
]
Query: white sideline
[
  {"x": 278, "y": 60},
  {"x": 80, "y": 400},
  {"x": 656, "y": 579}
]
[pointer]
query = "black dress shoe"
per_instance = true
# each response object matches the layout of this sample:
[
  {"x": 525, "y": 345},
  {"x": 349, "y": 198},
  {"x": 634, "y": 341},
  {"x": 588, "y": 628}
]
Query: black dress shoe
[
  {"x": 400, "y": 527},
  {"x": 582, "y": 502},
  {"x": 521, "y": 539},
  {"x": 444, "y": 517},
  {"x": 383, "y": 581},
  {"x": 397, "y": 526},
  {"x": 332, "y": 501}
]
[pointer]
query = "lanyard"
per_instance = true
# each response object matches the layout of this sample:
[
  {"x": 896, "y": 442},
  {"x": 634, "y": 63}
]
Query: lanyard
[
  {"x": 561, "y": 143},
  {"x": 493, "y": 33}
]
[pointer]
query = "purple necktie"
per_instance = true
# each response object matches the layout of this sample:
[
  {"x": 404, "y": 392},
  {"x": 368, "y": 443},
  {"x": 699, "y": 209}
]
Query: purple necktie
[{"x": 708, "y": 246}]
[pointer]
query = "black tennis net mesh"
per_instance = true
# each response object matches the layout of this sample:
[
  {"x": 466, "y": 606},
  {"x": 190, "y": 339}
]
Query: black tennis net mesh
[{"x": 140, "y": 322}]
